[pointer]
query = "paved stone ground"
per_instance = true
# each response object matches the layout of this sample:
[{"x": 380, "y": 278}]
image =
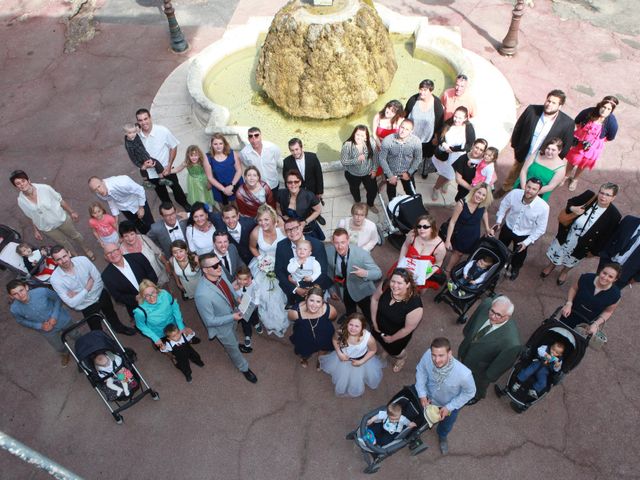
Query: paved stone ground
[{"x": 60, "y": 117}]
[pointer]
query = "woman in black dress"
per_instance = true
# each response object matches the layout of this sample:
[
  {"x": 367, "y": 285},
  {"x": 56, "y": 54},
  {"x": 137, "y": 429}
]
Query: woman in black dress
[
  {"x": 299, "y": 203},
  {"x": 312, "y": 327},
  {"x": 396, "y": 311},
  {"x": 593, "y": 298}
]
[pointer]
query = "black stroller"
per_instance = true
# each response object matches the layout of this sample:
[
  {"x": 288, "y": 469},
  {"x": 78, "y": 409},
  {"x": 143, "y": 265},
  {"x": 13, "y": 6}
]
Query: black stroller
[
  {"x": 412, "y": 409},
  {"x": 552, "y": 330},
  {"x": 121, "y": 387},
  {"x": 463, "y": 297},
  {"x": 10, "y": 260},
  {"x": 401, "y": 214}
]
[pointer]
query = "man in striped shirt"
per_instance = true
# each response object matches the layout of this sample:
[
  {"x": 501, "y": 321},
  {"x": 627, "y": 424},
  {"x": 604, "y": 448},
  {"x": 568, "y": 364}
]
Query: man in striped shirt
[{"x": 400, "y": 157}]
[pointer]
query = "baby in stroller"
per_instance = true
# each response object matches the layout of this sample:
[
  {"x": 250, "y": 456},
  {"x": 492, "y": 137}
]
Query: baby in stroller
[
  {"x": 549, "y": 361},
  {"x": 386, "y": 425},
  {"x": 117, "y": 380},
  {"x": 37, "y": 262},
  {"x": 474, "y": 274}
]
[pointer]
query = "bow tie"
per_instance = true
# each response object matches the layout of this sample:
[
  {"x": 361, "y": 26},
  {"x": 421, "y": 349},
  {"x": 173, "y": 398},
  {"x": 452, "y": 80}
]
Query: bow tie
[
  {"x": 171, "y": 230},
  {"x": 233, "y": 230}
]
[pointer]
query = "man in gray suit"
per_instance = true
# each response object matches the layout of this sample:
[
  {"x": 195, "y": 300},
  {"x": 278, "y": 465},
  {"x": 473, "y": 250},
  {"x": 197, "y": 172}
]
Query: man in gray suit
[
  {"x": 170, "y": 228},
  {"x": 216, "y": 307},
  {"x": 354, "y": 271},
  {"x": 491, "y": 343},
  {"x": 227, "y": 253}
]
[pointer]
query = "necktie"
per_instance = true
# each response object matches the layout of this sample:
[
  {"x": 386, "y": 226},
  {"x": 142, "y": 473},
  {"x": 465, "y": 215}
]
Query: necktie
[
  {"x": 244, "y": 289},
  {"x": 343, "y": 266},
  {"x": 227, "y": 293},
  {"x": 481, "y": 333},
  {"x": 226, "y": 263}
]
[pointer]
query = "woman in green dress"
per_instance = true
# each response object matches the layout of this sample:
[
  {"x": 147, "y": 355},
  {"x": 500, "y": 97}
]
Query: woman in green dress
[
  {"x": 545, "y": 165},
  {"x": 198, "y": 170}
]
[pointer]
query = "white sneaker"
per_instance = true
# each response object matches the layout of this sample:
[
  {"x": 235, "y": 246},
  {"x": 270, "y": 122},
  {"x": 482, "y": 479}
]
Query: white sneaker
[
  {"x": 247, "y": 342},
  {"x": 515, "y": 387}
]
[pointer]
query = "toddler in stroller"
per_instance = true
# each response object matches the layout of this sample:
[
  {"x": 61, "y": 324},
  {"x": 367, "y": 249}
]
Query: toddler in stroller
[
  {"x": 387, "y": 424},
  {"x": 37, "y": 262},
  {"x": 474, "y": 274},
  {"x": 549, "y": 360},
  {"x": 117, "y": 380}
]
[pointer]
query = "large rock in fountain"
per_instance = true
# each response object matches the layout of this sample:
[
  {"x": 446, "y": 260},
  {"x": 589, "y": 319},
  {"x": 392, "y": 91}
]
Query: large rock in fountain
[{"x": 326, "y": 62}]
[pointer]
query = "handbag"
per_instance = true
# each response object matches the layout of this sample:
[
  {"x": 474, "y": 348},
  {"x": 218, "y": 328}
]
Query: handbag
[
  {"x": 441, "y": 154},
  {"x": 598, "y": 340},
  {"x": 442, "y": 231},
  {"x": 566, "y": 219}
]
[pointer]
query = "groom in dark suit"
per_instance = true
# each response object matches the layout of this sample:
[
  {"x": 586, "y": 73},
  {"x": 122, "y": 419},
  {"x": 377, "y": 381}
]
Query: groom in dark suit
[
  {"x": 491, "y": 343},
  {"x": 284, "y": 253},
  {"x": 624, "y": 248},
  {"x": 239, "y": 229},
  {"x": 123, "y": 275}
]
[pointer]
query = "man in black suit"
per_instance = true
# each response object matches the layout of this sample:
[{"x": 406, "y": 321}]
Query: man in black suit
[
  {"x": 308, "y": 165},
  {"x": 123, "y": 275},
  {"x": 285, "y": 252},
  {"x": 170, "y": 228},
  {"x": 624, "y": 248},
  {"x": 227, "y": 254},
  {"x": 534, "y": 126},
  {"x": 239, "y": 229}
]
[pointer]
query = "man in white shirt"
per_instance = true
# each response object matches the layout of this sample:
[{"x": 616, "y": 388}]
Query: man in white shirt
[
  {"x": 162, "y": 146},
  {"x": 263, "y": 155},
  {"x": 526, "y": 216},
  {"x": 78, "y": 283},
  {"x": 126, "y": 196}
]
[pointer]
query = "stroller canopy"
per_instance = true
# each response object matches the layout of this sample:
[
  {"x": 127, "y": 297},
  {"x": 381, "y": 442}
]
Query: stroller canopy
[
  {"x": 553, "y": 331},
  {"x": 93, "y": 342},
  {"x": 495, "y": 246}
]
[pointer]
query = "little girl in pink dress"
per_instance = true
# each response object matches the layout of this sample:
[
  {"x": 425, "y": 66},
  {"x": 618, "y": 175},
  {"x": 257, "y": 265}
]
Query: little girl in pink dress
[{"x": 486, "y": 169}]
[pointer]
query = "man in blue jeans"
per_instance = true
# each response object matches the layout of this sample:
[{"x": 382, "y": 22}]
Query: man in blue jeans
[{"x": 443, "y": 381}]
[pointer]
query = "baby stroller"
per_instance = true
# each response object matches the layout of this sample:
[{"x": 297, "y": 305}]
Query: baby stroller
[
  {"x": 12, "y": 261},
  {"x": 401, "y": 214},
  {"x": 412, "y": 409},
  {"x": 463, "y": 297},
  {"x": 123, "y": 385},
  {"x": 552, "y": 330}
]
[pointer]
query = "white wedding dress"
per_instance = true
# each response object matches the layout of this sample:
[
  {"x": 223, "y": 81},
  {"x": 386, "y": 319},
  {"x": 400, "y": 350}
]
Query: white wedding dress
[{"x": 271, "y": 298}]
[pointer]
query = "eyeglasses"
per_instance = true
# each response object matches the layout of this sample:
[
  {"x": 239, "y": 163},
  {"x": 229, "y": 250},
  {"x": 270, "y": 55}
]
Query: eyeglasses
[
  {"x": 254, "y": 135},
  {"x": 496, "y": 314},
  {"x": 424, "y": 227},
  {"x": 150, "y": 295},
  {"x": 292, "y": 229},
  {"x": 214, "y": 265},
  {"x": 293, "y": 182},
  {"x": 111, "y": 252},
  {"x": 606, "y": 194}
]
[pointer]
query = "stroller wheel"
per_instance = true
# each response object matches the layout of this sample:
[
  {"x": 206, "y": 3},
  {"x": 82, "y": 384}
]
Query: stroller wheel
[
  {"x": 462, "y": 319},
  {"x": 118, "y": 418},
  {"x": 418, "y": 447},
  {"x": 155, "y": 395},
  {"x": 373, "y": 468},
  {"x": 351, "y": 435},
  {"x": 499, "y": 392},
  {"x": 518, "y": 408}
]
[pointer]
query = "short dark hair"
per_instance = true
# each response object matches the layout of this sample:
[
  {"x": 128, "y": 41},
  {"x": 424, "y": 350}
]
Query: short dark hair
[
  {"x": 15, "y": 283},
  {"x": 294, "y": 141},
  {"x": 610, "y": 186},
  {"x": 220, "y": 233},
  {"x": 18, "y": 174},
  {"x": 243, "y": 270},
  {"x": 462, "y": 76},
  {"x": 535, "y": 180},
  {"x": 56, "y": 249},
  {"x": 613, "y": 266},
  {"x": 140, "y": 111},
  {"x": 291, "y": 220},
  {"x": 206, "y": 256},
  {"x": 126, "y": 227},
  {"x": 482, "y": 141},
  {"x": 294, "y": 173},
  {"x": 165, "y": 206},
  {"x": 487, "y": 258},
  {"x": 253, "y": 130},
  {"x": 338, "y": 232},
  {"x": 440, "y": 342},
  {"x": 556, "y": 92},
  {"x": 170, "y": 328},
  {"x": 426, "y": 83},
  {"x": 230, "y": 207}
]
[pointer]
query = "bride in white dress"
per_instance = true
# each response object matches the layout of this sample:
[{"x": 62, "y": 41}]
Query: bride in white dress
[{"x": 271, "y": 299}]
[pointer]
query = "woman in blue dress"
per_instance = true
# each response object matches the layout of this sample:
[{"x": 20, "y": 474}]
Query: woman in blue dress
[
  {"x": 225, "y": 168},
  {"x": 312, "y": 327},
  {"x": 464, "y": 227}
]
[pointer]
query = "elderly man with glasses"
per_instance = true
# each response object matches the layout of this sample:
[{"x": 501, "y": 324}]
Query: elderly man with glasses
[
  {"x": 218, "y": 311},
  {"x": 491, "y": 343}
]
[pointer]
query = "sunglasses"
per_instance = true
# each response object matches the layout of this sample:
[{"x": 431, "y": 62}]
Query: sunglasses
[
  {"x": 424, "y": 227},
  {"x": 293, "y": 182},
  {"x": 215, "y": 265},
  {"x": 254, "y": 135}
]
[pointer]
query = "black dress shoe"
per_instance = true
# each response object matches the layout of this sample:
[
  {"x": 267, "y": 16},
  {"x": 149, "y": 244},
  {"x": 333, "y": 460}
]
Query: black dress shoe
[
  {"x": 195, "y": 341},
  {"x": 244, "y": 349},
  {"x": 320, "y": 219},
  {"x": 123, "y": 330},
  {"x": 514, "y": 273},
  {"x": 249, "y": 375},
  {"x": 473, "y": 401},
  {"x": 199, "y": 363}
]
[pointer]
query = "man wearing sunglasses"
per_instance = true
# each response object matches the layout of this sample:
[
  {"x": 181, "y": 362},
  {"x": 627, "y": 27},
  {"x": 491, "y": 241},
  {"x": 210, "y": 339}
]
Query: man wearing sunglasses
[
  {"x": 491, "y": 343},
  {"x": 218, "y": 311},
  {"x": 263, "y": 155}
]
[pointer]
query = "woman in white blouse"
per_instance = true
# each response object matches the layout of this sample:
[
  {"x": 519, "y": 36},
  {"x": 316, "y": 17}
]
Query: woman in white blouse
[
  {"x": 199, "y": 230},
  {"x": 362, "y": 231}
]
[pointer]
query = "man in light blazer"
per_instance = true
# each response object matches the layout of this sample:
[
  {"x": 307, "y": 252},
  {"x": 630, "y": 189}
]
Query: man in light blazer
[
  {"x": 239, "y": 229},
  {"x": 491, "y": 343},
  {"x": 227, "y": 253},
  {"x": 355, "y": 283},
  {"x": 170, "y": 228},
  {"x": 216, "y": 307}
]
